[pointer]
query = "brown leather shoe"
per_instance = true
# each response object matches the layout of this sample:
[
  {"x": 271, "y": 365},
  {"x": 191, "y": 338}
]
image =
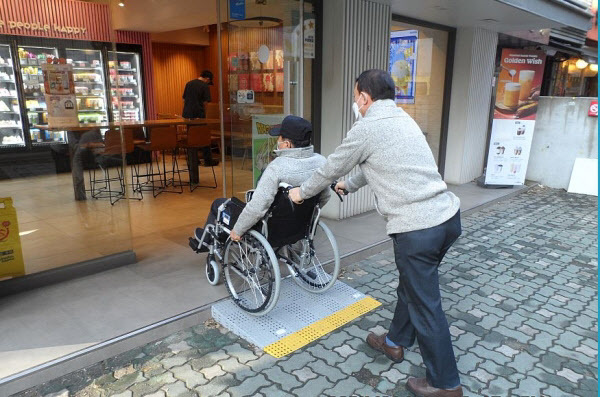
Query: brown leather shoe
[
  {"x": 377, "y": 342},
  {"x": 421, "y": 388}
]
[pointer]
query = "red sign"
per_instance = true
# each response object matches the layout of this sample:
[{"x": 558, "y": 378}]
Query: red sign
[{"x": 593, "y": 112}]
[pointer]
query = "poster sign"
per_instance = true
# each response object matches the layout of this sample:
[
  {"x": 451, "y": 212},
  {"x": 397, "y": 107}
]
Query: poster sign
[
  {"x": 237, "y": 9},
  {"x": 11, "y": 254},
  {"x": 263, "y": 144},
  {"x": 593, "y": 112},
  {"x": 403, "y": 64},
  {"x": 309, "y": 38},
  {"x": 517, "y": 97},
  {"x": 60, "y": 95}
]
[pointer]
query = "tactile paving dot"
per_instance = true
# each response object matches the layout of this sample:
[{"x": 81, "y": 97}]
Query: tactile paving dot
[{"x": 299, "y": 317}]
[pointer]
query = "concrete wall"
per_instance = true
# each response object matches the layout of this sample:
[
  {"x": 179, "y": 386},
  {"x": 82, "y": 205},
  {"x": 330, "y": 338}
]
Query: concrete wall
[
  {"x": 473, "y": 71},
  {"x": 563, "y": 132}
]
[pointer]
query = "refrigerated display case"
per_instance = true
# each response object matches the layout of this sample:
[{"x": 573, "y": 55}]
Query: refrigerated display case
[
  {"x": 125, "y": 86},
  {"x": 31, "y": 60},
  {"x": 11, "y": 128},
  {"x": 90, "y": 88}
]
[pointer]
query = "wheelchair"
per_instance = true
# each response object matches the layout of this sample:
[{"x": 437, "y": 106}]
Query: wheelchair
[{"x": 292, "y": 234}]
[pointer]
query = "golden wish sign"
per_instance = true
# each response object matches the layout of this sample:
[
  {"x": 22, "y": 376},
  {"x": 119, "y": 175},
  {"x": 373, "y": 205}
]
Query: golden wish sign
[{"x": 42, "y": 27}]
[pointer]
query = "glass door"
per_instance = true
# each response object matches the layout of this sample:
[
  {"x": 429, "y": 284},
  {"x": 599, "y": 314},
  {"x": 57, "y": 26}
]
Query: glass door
[{"x": 262, "y": 83}]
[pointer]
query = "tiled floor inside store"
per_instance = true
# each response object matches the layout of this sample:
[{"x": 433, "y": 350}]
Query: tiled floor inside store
[{"x": 168, "y": 278}]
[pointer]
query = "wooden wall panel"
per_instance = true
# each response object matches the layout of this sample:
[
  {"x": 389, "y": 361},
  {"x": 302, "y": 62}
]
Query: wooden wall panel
[{"x": 174, "y": 66}]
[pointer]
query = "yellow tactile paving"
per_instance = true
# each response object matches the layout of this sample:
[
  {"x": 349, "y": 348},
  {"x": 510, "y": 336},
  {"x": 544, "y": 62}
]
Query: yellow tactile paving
[{"x": 303, "y": 337}]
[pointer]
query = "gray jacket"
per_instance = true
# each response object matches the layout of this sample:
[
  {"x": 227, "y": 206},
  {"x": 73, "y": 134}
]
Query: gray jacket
[
  {"x": 398, "y": 165},
  {"x": 291, "y": 166}
]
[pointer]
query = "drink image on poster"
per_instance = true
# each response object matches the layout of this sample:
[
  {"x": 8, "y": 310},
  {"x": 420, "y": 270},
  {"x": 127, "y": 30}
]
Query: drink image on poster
[
  {"x": 526, "y": 81},
  {"x": 403, "y": 64},
  {"x": 511, "y": 95}
]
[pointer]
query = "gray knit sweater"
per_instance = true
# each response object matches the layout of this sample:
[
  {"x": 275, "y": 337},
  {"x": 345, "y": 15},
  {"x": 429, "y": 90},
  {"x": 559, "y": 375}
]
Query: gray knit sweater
[
  {"x": 398, "y": 165},
  {"x": 292, "y": 166}
]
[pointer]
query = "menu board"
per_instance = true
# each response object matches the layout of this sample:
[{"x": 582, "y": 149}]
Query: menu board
[
  {"x": 517, "y": 96},
  {"x": 59, "y": 90}
]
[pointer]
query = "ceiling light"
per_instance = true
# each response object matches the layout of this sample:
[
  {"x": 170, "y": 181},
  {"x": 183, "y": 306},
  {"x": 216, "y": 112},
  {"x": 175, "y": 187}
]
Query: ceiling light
[
  {"x": 257, "y": 22},
  {"x": 581, "y": 64},
  {"x": 594, "y": 67},
  {"x": 122, "y": 3}
]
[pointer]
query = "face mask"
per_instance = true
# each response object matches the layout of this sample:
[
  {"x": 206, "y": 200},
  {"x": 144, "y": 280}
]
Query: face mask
[{"x": 356, "y": 110}]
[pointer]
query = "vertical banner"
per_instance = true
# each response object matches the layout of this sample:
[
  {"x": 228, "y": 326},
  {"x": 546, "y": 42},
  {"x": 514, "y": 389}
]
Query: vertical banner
[
  {"x": 403, "y": 64},
  {"x": 11, "y": 254},
  {"x": 60, "y": 95},
  {"x": 237, "y": 9},
  {"x": 263, "y": 144},
  {"x": 517, "y": 96}
]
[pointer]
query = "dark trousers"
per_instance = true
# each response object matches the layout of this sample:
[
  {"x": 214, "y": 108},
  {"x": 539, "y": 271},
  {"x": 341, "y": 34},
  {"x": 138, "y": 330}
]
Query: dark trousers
[
  {"x": 234, "y": 212},
  {"x": 419, "y": 311}
]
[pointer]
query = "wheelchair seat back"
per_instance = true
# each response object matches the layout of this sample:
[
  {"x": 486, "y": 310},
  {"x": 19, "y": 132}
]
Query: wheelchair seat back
[{"x": 288, "y": 223}]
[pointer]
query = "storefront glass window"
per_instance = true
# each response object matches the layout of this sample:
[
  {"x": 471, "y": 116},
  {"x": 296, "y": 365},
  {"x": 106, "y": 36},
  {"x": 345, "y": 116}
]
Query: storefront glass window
[
  {"x": 420, "y": 92},
  {"x": 574, "y": 77}
]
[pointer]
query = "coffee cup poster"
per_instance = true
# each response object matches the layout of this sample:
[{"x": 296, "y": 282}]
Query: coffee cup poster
[
  {"x": 403, "y": 64},
  {"x": 515, "y": 110}
]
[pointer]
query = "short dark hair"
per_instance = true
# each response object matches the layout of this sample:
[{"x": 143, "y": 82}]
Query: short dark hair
[
  {"x": 207, "y": 74},
  {"x": 297, "y": 143},
  {"x": 377, "y": 83}
]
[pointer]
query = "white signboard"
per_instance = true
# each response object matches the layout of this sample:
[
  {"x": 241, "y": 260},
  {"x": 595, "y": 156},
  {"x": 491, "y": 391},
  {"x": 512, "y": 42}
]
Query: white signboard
[
  {"x": 59, "y": 90},
  {"x": 509, "y": 152}
]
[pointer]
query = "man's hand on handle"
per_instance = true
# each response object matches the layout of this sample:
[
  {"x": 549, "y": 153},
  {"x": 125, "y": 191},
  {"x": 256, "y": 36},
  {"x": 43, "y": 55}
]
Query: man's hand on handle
[
  {"x": 295, "y": 195},
  {"x": 234, "y": 236},
  {"x": 340, "y": 188}
]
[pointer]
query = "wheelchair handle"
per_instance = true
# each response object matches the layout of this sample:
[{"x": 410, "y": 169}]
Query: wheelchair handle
[{"x": 332, "y": 186}]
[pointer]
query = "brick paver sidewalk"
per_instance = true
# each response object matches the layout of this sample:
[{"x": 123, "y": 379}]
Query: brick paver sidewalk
[{"x": 519, "y": 289}]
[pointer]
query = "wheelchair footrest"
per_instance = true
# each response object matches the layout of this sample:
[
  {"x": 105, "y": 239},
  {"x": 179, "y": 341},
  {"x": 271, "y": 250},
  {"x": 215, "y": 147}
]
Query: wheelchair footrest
[{"x": 194, "y": 244}]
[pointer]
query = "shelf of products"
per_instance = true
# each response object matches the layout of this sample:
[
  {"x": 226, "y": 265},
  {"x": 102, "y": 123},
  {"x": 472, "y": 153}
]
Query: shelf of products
[
  {"x": 90, "y": 88},
  {"x": 11, "y": 129},
  {"x": 125, "y": 83},
  {"x": 31, "y": 60}
]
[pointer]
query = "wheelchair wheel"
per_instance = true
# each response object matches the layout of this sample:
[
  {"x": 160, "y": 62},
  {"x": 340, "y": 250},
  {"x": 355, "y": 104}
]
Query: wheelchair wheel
[
  {"x": 252, "y": 273},
  {"x": 213, "y": 270},
  {"x": 316, "y": 263}
]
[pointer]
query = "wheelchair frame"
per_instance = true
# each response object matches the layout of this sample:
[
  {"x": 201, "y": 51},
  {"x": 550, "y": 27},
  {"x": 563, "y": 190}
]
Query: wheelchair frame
[{"x": 219, "y": 252}]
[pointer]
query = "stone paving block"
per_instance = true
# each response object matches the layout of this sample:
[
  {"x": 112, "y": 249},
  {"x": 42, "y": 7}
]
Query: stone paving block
[
  {"x": 208, "y": 359},
  {"x": 159, "y": 393},
  {"x": 345, "y": 351},
  {"x": 328, "y": 355},
  {"x": 379, "y": 365},
  {"x": 468, "y": 362},
  {"x": 152, "y": 385},
  {"x": 179, "y": 347},
  {"x": 126, "y": 382},
  {"x": 217, "y": 386},
  {"x": 523, "y": 362},
  {"x": 188, "y": 375},
  {"x": 285, "y": 380},
  {"x": 242, "y": 354},
  {"x": 553, "y": 391},
  {"x": 354, "y": 363},
  {"x": 178, "y": 389},
  {"x": 233, "y": 366},
  {"x": 335, "y": 339},
  {"x": 263, "y": 362},
  {"x": 466, "y": 341},
  {"x": 296, "y": 361},
  {"x": 313, "y": 387},
  {"x": 212, "y": 372},
  {"x": 249, "y": 386},
  {"x": 274, "y": 391},
  {"x": 333, "y": 374},
  {"x": 485, "y": 354}
]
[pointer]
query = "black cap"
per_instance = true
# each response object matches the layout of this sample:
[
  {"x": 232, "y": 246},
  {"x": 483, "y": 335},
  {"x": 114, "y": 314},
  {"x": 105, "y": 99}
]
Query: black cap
[{"x": 293, "y": 127}]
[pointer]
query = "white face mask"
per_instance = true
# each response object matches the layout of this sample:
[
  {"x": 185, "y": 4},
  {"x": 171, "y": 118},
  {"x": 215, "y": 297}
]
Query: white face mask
[{"x": 356, "y": 109}]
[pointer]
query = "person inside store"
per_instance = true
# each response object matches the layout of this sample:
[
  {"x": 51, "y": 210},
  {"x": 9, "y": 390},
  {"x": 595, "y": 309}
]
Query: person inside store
[
  {"x": 294, "y": 163},
  {"x": 422, "y": 216},
  {"x": 195, "y": 97}
]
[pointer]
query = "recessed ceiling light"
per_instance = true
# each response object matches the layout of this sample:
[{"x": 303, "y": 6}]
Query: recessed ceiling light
[
  {"x": 122, "y": 3},
  {"x": 489, "y": 20}
]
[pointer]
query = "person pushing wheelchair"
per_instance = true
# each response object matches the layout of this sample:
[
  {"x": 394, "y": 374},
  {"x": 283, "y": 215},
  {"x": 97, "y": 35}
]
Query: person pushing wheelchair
[{"x": 295, "y": 162}]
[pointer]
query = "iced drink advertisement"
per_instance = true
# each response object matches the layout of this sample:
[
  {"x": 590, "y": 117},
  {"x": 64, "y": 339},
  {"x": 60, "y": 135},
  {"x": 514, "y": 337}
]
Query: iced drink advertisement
[
  {"x": 403, "y": 64},
  {"x": 515, "y": 109}
]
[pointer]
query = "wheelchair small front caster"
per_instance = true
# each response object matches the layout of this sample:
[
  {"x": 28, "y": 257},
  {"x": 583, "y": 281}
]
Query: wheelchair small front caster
[{"x": 213, "y": 270}]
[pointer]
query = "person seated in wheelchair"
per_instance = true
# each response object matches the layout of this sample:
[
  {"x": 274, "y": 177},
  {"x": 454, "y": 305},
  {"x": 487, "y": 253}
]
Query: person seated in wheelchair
[{"x": 295, "y": 162}]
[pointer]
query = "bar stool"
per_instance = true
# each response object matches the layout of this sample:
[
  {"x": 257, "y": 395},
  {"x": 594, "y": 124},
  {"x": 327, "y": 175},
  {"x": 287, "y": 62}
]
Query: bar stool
[
  {"x": 110, "y": 156},
  {"x": 162, "y": 140},
  {"x": 198, "y": 137}
]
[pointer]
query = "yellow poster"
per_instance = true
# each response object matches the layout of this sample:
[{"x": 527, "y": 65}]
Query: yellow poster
[{"x": 11, "y": 255}]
